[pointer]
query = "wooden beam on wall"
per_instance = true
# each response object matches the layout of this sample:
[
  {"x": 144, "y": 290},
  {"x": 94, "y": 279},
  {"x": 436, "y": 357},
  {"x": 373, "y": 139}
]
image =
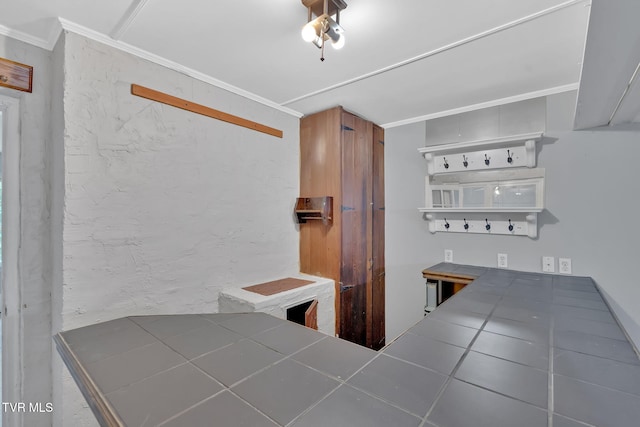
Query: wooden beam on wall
[{"x": 183, "y": 104}]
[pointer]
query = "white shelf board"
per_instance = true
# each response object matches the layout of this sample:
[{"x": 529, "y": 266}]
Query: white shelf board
[
  {"x": 481, "y": 210},
  {"x": 515, "y": 139}
]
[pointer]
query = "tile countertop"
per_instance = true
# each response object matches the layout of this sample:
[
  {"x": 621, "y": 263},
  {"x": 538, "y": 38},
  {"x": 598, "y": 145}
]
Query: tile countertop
[{"x": 510, "y": 349}]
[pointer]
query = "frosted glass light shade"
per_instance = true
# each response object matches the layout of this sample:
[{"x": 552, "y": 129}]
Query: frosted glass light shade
[
  {"x": 309, "y": 32},
  {"x": 338, "y": 44}
]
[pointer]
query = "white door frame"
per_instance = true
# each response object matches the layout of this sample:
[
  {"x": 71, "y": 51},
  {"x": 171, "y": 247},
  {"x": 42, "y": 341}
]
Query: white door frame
[{"x": 12, "y": 339}]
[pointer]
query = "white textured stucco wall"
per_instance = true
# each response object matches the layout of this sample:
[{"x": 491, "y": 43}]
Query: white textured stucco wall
[
  {"x": 34, "y": 245},
  {"x": 163, "y": 208}
]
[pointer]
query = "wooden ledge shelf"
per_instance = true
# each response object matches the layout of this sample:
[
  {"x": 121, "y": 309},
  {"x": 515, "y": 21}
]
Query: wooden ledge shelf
[
  {"x": 448, "y": 276},
  {"x": 192, "y": 107},
  {"x": 314, "y": 208}
]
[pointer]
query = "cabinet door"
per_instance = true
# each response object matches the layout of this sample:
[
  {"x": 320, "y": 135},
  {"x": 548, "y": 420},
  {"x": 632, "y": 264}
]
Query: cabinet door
[
  {"x": 376, "y": 335},
  {"x": 355, "y": 275},
  {"x": 311, "y": 316}
]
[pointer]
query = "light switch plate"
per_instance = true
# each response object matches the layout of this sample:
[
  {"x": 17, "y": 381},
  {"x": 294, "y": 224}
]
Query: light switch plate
[
  {"x": 564, "y": 265},
  {"x": 548, "y": 264}
]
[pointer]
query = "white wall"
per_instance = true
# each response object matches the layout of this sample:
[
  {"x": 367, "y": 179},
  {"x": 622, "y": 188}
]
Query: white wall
[
  {"x": 33, "y": 278},
  {"x": 592, "y": 185},
  {"x": 406, "y": 234},
  {"x": 163, "y": 208}
]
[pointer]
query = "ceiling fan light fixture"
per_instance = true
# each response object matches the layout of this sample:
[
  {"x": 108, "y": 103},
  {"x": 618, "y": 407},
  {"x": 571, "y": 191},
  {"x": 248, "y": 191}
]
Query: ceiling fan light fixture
[
  {"x": 338, "y": 44},
  {"x": 309, "y": 32},
  {"x": 324, "y": 27}
]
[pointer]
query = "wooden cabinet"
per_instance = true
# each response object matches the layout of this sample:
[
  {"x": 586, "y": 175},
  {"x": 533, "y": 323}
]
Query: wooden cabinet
[{"x": 342, "y": 156}]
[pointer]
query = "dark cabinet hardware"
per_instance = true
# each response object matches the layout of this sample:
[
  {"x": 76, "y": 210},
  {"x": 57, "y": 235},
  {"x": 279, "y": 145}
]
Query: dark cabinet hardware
[{"x": 344, "y": 288}]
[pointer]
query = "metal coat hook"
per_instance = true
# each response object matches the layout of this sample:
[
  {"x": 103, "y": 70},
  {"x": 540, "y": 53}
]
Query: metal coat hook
[
  {"x": 509, "y": 157},
  {"x": 446, "y": 224},
  {"x": 488, "y": 226},
  {"x": 466, "y": 226},
  {"x": 510, "y": 226},
  {"x": 446, "y": 164},
  {"x": 465, "y": 163},
  {"x": 486, "y": 160}
]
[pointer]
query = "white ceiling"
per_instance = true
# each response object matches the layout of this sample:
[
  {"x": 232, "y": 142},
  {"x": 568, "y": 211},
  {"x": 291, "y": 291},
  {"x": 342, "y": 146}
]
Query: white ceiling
[
  {"x": 610, "y": 82},
  {"x": 403, "y": 61}
]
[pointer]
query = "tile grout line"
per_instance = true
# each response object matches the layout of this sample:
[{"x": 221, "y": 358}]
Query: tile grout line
[
  {"x": 285, "y": 357},
  {"x": 340, "y": 381},
  {"x": 228, "y": 388},
  {"x": 462, "y": 358},
  {"x": 582, "y": 381},
  {"x": 344, "y": 382},
  {"x": 189, "y": 361}
]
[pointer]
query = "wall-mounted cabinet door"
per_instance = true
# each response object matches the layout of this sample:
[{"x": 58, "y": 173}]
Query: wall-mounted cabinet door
[
  {"x": 355, "y": 275},
  {"x": 376, "y": 336}
]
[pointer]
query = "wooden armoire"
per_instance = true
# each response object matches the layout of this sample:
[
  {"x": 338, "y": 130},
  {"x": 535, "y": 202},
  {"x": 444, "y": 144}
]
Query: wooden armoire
[{"x": 342, "y": 156}]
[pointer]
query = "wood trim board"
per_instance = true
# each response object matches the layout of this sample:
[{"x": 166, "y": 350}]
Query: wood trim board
[
  {"x": 447, "y": 277},
  {"x": 183, "y": 104},
  {"x": 102, "y": 410},
  {"x": 15, "y": 75}
]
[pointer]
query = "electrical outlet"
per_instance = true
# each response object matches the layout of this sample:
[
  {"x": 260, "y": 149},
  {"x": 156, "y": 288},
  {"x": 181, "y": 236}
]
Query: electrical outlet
[
  {"x": 448, "y": 255},
  {"x": 548, "y": 264},
  {"x": 564, "y": 265},
  {"x": 502, "y": 261}
]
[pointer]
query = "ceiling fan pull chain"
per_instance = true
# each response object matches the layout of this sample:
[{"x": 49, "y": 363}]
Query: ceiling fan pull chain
[{"x": 322, "y": 48}]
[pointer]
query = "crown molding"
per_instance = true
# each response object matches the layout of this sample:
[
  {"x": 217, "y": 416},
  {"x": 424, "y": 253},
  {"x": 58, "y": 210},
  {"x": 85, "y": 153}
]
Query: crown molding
[
  {"x": 488, "y": 104},
  {"x": 26, "y": 38},
  {"x": 66, "y": 25},
  {"x": 125, "y": 47}
]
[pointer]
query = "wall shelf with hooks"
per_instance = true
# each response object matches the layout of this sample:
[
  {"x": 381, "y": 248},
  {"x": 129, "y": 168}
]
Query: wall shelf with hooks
[
  {"x": 486, "y": 202},
  {"x": 511, "y": 222},
  {"x": 503, "y": 152}
]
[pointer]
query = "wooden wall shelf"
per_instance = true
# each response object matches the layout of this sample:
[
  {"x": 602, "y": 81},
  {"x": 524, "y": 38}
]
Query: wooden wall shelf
[
  {"x": 314, "y": 208},
  {"x": 192, "y": 107}
]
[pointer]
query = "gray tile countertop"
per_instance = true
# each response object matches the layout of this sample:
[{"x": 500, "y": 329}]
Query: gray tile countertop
[{"x": 510, "y": 349}]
